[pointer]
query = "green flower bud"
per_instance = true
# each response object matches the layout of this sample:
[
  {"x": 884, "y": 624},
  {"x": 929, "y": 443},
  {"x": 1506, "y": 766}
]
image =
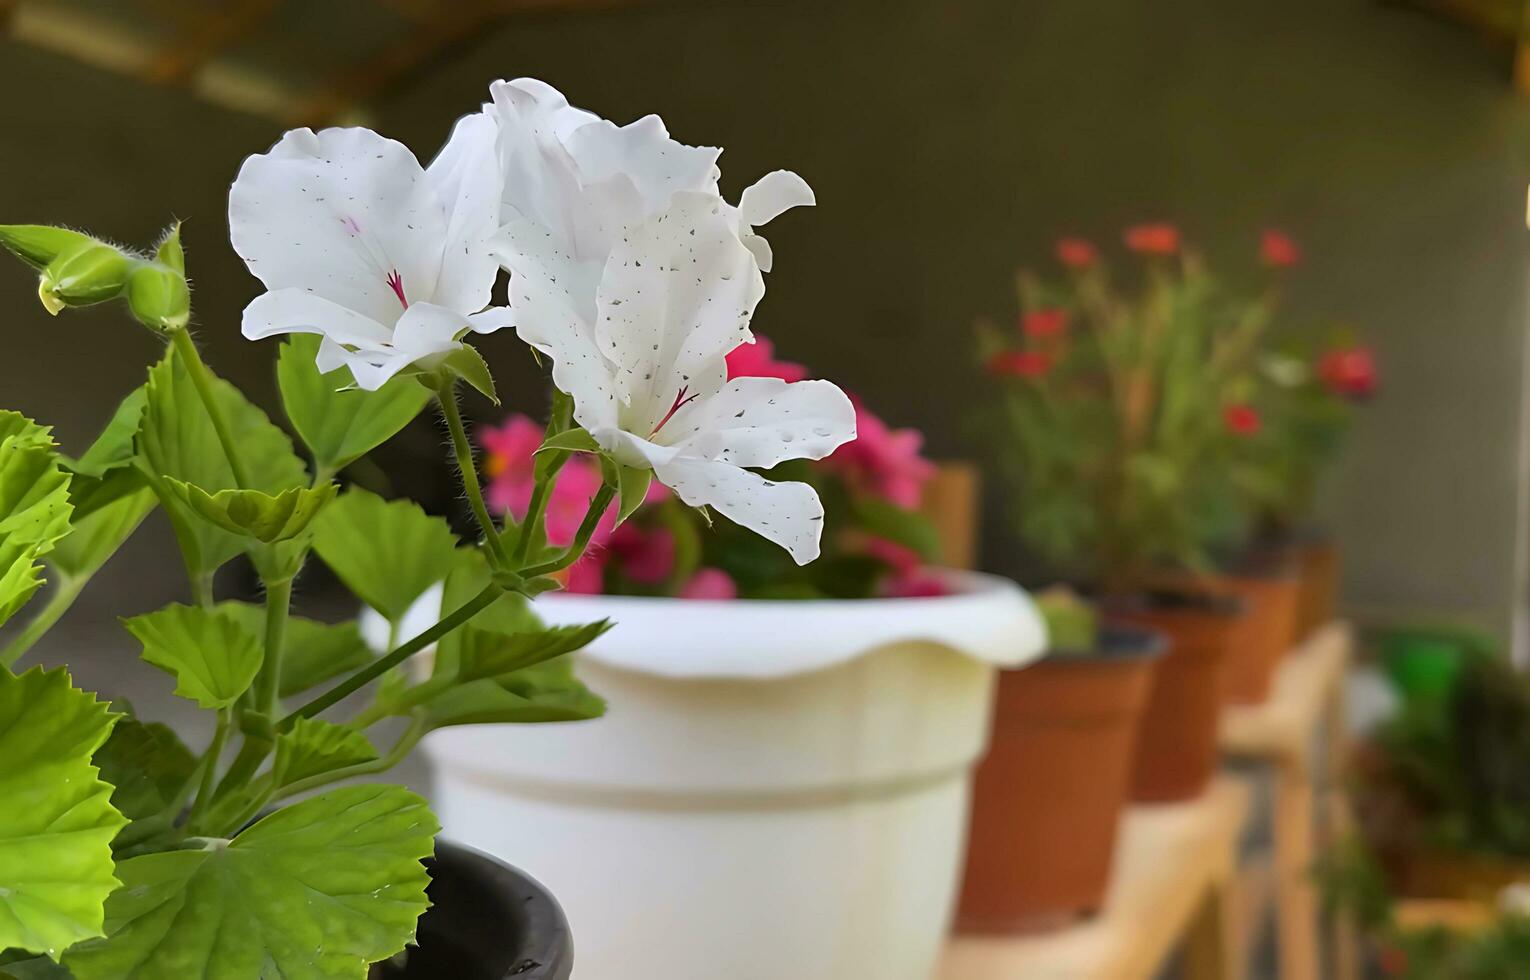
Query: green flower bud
[
  {"x": 159, "y": 297},
  {"x": 38, "y": 245},
  {"x": 91, "y": 272}
]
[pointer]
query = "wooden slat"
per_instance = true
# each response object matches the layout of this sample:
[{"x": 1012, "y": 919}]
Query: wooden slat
[{"x": 212, "y": 33}]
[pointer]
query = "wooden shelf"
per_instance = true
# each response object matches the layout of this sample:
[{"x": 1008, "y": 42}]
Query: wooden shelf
[
  {"x": 1171, "y": 864},
  {"x": 1283, "y": 729}
]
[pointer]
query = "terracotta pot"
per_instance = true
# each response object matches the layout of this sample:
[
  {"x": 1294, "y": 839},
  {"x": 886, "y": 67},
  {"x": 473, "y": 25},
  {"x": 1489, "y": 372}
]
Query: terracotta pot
[
  {"x": 1265, "y": 632},
  {"x": 1048, "y": 796},
  {"x": 1177, "y": 737},
  {"x": 1319, "y": 563}
]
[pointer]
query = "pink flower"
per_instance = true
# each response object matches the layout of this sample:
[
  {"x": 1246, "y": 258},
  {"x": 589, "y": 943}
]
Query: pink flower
[
  {"x": 1077, "y": 253},
  {"x": 1020, "y": 363},
  {"x": 647, "y": 557},
  {"x": 922, "y": 584},
  {"x": 908, "y": 578},
  {"x": 1279, "y": 250},
  {"x": 710, "y": 583},
  {"x": 508, "y": 464},
  {"x": 1153, "y": 239},
  {"x": 883, "y": 462},
  {"x": 1045, "y": 323},
  {"x": 1349, "y": 371},
  {"x": 587, "y": 576},
  {"x": 1242, "y": 420},
  {"x": 758, "y": 360}
]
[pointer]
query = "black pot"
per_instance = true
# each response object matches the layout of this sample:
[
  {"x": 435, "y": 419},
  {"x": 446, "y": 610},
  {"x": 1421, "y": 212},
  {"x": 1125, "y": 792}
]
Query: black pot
[{"x": 487, "y": 921}]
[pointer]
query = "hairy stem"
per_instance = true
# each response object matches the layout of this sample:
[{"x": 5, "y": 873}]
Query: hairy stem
[
  {"x": 603, "y": 498},
  {"x": 463, "y": 452}
]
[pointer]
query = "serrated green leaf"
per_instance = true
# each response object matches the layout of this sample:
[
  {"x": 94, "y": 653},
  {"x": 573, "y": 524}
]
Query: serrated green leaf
[
  {"x": 314, "y": 651},
  {"x": 176, "y": 440},
  {"x": 265, "y": 517},
  {"x": 313, "y": 747},
  {"x": 34, "y": 508},
  {"x": 469, "y": 365},
  {"x": 486, "y": 653},
  {"x": 338, "y": 422},
  {"x": 213, "y": 657},
  {"x": 98, "y": 534},
  {"x": 57, "y": 824},
  {"x": 145, "y": 763},
  {"x": 548, "y": 692},
  {"x": 105, "y": 473},
  {"x": 573, "y": 441},
  {"x": 387, "y": 552},
  {"x": 508, "y": 615},
  {"x": 632, "y": 489},
  {"x": 315, "y": 891}
]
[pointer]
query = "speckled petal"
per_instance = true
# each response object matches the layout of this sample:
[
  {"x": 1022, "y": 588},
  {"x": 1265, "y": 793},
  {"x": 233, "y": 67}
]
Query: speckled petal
[
  {"x": 760, "y": 422},
  {"x": 790, "y": 514}
]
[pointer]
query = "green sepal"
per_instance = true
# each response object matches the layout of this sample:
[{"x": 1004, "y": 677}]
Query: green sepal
[
  {"x": 57, "y": 825},
  {"x": 38, "y": 245},
  {"x": 574, "y": 440},
  {"x": 632, "y": 484},
  {"x": 386, "y": 552},
  {"x": 265, "y": 517},
  {"x": 91, "y": 272},
  {"x": 213, "y": 657},
  {"x": 159, "y": 297},
  {"x": 466, "y": 363},
  {"x": 315, "y": 891},
  {"x": 338, "y": 422},
  {"x": 170, "y": 251},
  {"x": 312, "y": 747}
]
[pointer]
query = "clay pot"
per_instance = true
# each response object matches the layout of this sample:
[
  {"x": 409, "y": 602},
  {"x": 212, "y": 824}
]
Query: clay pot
[
  {"x": 1048, "y": 796},
  {"x": 1177, "y": 737},
  {"x": 1319, "y": 569},
  {"x": 1264, "y": 634}
]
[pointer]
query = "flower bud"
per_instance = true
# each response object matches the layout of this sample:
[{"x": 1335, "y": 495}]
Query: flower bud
[
  {"x": 38, "y": 245},
  {"x": 91, "y": 272},
  {"x": 159, "y": 297}
]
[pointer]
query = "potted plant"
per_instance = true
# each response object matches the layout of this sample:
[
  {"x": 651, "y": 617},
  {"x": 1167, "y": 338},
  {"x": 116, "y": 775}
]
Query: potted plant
[
  {"x": 1048, "y": 796},
  {"x": 126, "y": 854},
  {"x": 787, "y": 761},
  {"x": 1124, "y": 405}
]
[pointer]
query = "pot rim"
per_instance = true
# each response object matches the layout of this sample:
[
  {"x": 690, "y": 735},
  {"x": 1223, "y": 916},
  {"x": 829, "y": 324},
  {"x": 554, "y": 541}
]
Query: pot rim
[
  {"x": 985, "y": 617},
  {"x": 1132, "y": 643}
]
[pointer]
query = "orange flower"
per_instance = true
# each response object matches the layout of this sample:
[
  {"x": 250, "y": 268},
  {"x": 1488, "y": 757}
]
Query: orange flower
[
  {"x": 1077, "y": 253},
  {"x": 1153, "y": 239},
  {"x": 1020, "y": 363},
  {"x": 1241, "y": 420},
  {"x": 1279, "y": 250},
  {"x": 1044, "y": 323}
]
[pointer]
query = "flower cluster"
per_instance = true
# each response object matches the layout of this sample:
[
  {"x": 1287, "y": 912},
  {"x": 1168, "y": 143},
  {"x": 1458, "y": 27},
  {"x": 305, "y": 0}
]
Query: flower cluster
[
  {"x": 872, "y": 486},
  {"x": 627, "y": 269}
]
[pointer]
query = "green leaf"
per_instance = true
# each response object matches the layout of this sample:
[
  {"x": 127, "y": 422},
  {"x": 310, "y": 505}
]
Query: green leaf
[
  {"x": 314, "y": 651},
  {"x": 339, "y": 422},
  {"x": 573, "y": 441},
  {"x": 265, "y": 517},
  {"x": 486, "y": 653},
  {"x": 548, "y": 692},
  {"x": 146, "y": 764},
  {"x": 469, "y": 365},
  {"x": 906, "y": 527},
  {"x": 315, "y": 891},
  {"x": 23, "y": 966},
  {"x": 105, "y": 473},
  {"x": 176, "y": 440},
  {"x": 57, "y": 824},
  {"x": 313, "y": 747},
  {"x": 213, "y": 657},
  {"x": 98, "y": 534},
  {"x": 632, "y": 489},
  {"x": 387, "y": 552},
  {"x": 34, "y": 508},
  {"x": 508, "y": 615}
]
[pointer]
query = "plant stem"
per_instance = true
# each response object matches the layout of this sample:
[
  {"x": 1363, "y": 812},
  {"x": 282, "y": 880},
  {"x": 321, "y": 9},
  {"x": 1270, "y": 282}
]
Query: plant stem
[
  {"x": 201, "y": 379},
  {"x": 463, "y": 450},
  {"x": 603, "y": 498},
  {"x": 401, "y": 748},
  {"x": 210, "y": 765},
  {"x": 268, "y": 685},
  {"x": 64, "y": 595},
  {"x": 382, "y": 665},
  {"x": 539, "y": 495}
]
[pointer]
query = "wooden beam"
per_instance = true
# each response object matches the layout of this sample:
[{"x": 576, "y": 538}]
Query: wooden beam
[{"x": 210, "y": 34}]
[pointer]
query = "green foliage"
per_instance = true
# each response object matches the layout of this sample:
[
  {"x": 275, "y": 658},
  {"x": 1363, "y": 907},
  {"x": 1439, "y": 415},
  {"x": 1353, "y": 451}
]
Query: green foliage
[
  {"x": 315, "y": 891},
  {"x": 387, "y": 552},
  {"x": 545, "y": 693},
  {"x": 265, "y": 517},
  {"x": 57, "y": 825},
  {"x": 314, "y": 651},
  {"x": 34, "y": 508},
  {"x": 338, "y": 422},
  {"x": 1073, "y": 626},
  {"x": 469, "y": 365},
  {"x": 313, "y": 747},
  {"x": 213, "y": 656},
  {"x": 177, "y": 441},
  {"x": 632, "y": 487},
  {"x": 147, "y": 764},
  {"x": 105, "y": 473}
]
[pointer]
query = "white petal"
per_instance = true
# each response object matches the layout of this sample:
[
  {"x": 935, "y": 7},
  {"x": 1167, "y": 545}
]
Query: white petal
[
  {"x": 790, "y": 514},
  {"x": 631, "y": 450},
  {"x": 762, "y": 421},
  {"x": 465, "y": 178},
  {"x": 643, "y": 153},
  {"x": 298, "y": 311},
  {"x": 336, "y": 213},
  {"x": 773, "y": 194},
  {"x": 423, "y": 333},
  {"x": 764, "y": 257},
  {"x": 675, "y": 298},
  {"x": 492, "y": 319}
]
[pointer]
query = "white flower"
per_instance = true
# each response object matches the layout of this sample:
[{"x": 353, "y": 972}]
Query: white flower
[
  {"x": 645, "y": 364},
  {"x": 355, "y": 241}
]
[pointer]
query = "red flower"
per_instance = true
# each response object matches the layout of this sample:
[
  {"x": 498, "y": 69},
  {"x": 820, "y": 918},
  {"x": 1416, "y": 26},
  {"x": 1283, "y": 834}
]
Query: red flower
[
  {"x": 1077, "y": 253},
  {"x": 1020, "y": 363},
  {"x": 1045, "y": 323},
  {"x": 1393, "y": 961},
  {"x": 1153, "y": 239},
  {"x": 1241, "y": 419},
  {"x": 1278, "y": 250},
  {"x": 1349, "y": 372}
]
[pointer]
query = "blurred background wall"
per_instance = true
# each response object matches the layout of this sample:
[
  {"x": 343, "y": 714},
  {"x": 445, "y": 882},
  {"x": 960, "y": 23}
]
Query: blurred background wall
[{"x": 949, "y": 142}]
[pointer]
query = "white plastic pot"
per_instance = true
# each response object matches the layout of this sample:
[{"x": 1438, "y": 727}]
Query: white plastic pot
[{"x": 778, "y": 789}]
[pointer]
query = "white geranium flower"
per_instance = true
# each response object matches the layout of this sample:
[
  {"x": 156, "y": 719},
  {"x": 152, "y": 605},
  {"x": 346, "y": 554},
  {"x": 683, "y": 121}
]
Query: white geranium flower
[
  {"x": 388, "y": 261},
  {"x": 646, "y": 367}
]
